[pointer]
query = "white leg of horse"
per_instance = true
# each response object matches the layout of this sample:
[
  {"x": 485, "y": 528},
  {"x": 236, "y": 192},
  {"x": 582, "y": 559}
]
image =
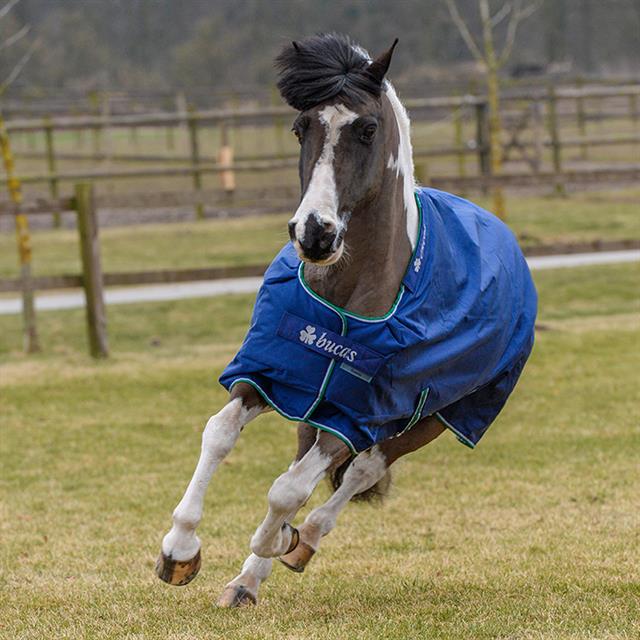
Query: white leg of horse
[
  {"x": 179, "y": 561},
  {"x": 243, "y": 589},
  {"x": 366, "y": 469},
  {"x": 290, "y": 492}
]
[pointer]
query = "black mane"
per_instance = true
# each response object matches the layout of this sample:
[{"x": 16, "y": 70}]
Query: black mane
[{"x": 323, "y": 67}]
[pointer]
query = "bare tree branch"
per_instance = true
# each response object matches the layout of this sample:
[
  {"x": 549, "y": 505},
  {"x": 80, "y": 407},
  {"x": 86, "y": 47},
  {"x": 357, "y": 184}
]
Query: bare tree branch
[
  {"x": 517, "y": 16},
  {"x": 501, "y": 15},
  {"x": 7, "y": 7},
  {"x": 15, "y": 37},
  {"x": 464, "y": 30},
  {"x": 17, "y": 70}
]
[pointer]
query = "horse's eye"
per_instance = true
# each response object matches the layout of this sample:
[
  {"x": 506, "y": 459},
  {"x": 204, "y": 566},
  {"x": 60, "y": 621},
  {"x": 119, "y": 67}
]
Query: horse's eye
[
  {"x": 299, "y": 127},
  {"x": 368, "y": 133}
]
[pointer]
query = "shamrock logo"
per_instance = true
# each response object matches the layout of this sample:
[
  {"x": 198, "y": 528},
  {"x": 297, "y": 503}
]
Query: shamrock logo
[
  {"x": 417, "y": 263},
  {"x": 308, "y": 335}
]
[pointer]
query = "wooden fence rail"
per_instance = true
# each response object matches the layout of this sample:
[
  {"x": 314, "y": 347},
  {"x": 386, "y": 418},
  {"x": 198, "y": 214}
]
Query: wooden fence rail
[
  {"x": 289, "y": 194},
  {"x": 235, "y": 116}
]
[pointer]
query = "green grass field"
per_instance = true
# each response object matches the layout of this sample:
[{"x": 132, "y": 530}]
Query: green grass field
[
  {"x": 532, "y": 535},
  {"x": 536, "y": 220}
]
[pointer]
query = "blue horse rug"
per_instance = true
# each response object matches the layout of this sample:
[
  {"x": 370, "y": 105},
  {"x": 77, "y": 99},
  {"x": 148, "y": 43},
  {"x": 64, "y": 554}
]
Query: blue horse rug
[{"x": 453, "y": 345}]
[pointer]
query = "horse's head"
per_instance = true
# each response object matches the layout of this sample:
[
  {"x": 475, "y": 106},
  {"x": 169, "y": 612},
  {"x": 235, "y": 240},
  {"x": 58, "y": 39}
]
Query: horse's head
[{"x": 345, "y": 129}]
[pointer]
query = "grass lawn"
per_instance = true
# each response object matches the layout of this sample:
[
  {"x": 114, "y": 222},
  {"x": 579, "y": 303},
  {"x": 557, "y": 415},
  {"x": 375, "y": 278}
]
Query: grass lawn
[
  {"x": 532, "y": 535},
  {"x": 536, "y": 221}
]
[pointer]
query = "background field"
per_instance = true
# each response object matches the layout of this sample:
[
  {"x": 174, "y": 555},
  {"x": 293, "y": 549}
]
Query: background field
[{"x": 533, "y": 535}]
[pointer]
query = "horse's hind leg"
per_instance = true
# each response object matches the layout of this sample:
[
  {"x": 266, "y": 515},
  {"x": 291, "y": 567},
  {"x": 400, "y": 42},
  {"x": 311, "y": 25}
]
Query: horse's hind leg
[
  {"x": 179, "y": 561},
  {"x": 365, "y": 470},
  {"x": 316, "y": 454}
]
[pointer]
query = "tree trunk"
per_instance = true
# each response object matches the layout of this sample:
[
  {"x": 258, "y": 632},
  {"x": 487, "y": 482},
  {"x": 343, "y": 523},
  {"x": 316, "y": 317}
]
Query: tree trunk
[{"x": 493, "y": 97}]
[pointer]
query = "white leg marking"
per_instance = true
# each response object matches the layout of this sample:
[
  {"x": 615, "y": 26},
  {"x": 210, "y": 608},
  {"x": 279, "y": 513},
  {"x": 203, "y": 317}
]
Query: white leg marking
[
  {"x": 218, "y": 438},
  {"x": 255, "y": 571},
  {"x": 321, "y": 198},
  {"x": 287, "y": 495},
  {"x": 365, "y": 470}
]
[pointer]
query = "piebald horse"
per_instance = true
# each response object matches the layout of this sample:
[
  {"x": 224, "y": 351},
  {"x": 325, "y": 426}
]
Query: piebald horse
[{"x": 357, "y": 234}]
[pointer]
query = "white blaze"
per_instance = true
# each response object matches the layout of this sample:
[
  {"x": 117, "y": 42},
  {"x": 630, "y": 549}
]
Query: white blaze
[{"x": 321, "y": 196}]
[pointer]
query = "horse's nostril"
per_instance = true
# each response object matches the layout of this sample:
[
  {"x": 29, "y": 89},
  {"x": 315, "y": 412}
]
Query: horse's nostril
[
  {"x": 327, "y": 239},
  {"x": 292, "y": 230},
  {"x": 329, "y": 227}
]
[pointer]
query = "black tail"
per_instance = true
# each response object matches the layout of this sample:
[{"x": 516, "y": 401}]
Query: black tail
[{"x": 376, "y": 493}]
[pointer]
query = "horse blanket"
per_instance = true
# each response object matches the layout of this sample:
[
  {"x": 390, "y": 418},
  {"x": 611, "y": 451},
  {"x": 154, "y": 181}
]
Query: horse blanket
[{"x": 453, "y": 345}]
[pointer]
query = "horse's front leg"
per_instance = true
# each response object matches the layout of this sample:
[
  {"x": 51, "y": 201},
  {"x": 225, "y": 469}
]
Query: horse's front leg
[
  {"x": 179, "y": 561},
  {"x": 243, "y": 589},
  {"x": 291, "y": 491}
]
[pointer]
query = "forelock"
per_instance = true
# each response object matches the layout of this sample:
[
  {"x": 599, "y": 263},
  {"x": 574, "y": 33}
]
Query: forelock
[{"x": 324, "y": 67}]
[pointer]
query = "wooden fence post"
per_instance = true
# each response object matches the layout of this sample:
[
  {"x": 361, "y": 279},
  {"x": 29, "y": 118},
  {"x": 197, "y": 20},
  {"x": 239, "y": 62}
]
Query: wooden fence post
[
  {"x": 91, "y": 269},
  {"x": 633, "y": 109},
  {"x": 96, "y": 130},
  {"x": 133, "y": 136},
  {"x": 581, "y": 117},
  {"x": 278, "y": 127},
  {"x": 106, "y": 127},
  {"x": 225, "y": 158},
  {"x": 537, "y": 128},
  {"x": 79, "y": 134},
  {"x": 633, "y": 112},
  {"x": 195, "y": 162},
  {"x": 51, "y": 166},
  {"x": 458, "y": 124},
  {"x": 554, "y": 134},
  {"x": 482, "y": 143},
  {"x": 182, "y": 112}
]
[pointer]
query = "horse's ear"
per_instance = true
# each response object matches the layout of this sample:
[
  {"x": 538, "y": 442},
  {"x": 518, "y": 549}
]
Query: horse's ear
[{"x": 379, "y": 67}]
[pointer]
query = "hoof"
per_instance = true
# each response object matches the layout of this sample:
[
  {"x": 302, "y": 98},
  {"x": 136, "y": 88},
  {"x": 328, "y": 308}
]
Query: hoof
[
  {"x": 298, "y": 558},
  {"x": 177, "y": 573},
  {"x": 295, "y": 538},
  {"x": 236, "y": 596}
]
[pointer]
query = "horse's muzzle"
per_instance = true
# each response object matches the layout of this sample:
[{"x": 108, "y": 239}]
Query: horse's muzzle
[{"x": 318, "y": 241}]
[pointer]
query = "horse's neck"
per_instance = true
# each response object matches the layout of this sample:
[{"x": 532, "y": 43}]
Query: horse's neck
[{"x": 366, "y": 281}]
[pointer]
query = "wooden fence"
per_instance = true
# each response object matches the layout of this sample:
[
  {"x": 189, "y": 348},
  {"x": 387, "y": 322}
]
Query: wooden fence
[
  {"x": 539, "y": 113},
  {"x": 85, "y": 204}
]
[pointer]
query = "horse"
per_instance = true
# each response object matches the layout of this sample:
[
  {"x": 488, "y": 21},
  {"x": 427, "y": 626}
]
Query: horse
[{"x": 395, "y": 313}]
